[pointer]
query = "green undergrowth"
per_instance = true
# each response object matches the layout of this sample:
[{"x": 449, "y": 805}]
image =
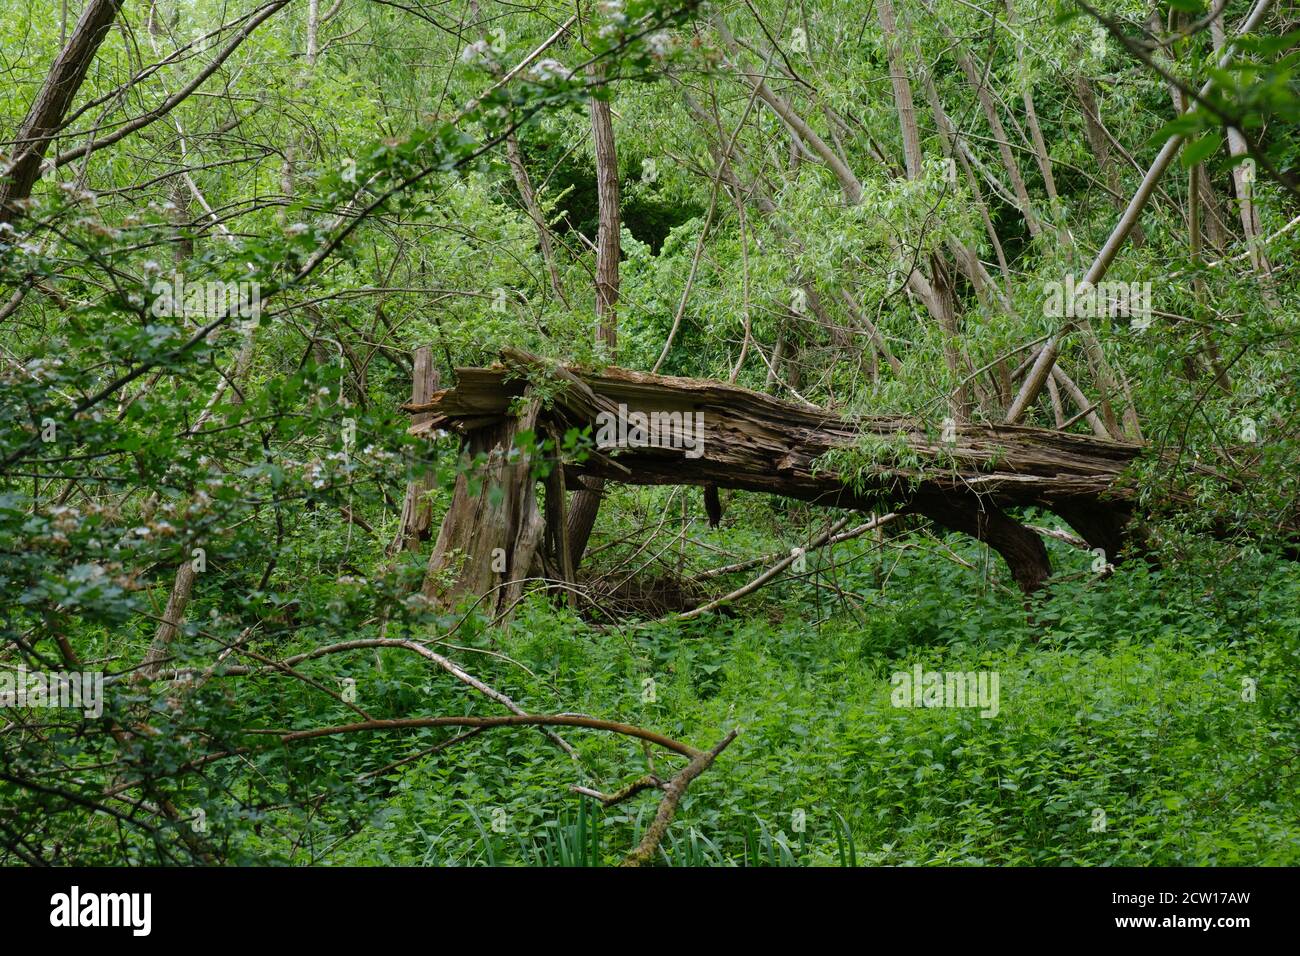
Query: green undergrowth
[{"x": 1144, "y": 718}]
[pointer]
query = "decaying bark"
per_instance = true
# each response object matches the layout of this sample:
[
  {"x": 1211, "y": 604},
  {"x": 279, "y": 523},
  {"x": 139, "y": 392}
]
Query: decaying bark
[
  {"x": 755, "y": 442},
  {"x": 491, "y": 531}
]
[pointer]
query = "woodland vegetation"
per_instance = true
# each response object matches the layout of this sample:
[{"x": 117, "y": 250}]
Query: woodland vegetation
[{"x": 985, "y": 314}]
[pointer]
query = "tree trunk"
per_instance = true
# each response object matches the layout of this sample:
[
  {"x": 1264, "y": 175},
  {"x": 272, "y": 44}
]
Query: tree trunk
[
  {"x": 754, "y": 442},
  {"x": 417, "y": 513},
  {"x": 1250, "y": 224},
  {"x": 586, "y": 503},
  {"x": 51, "y": 104},
  {"x": 1123, "y": 228},
  {"x": 902, "y": 89},
  {"x": 493, "y": 527}
]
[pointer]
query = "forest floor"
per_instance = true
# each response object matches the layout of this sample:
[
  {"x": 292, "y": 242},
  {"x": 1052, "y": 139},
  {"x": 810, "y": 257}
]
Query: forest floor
[{"x": 1142, "y": 717}]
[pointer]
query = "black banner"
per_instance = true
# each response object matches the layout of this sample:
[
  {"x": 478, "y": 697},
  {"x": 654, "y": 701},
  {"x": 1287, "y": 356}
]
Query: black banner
[{"x": 335, "y": 906}]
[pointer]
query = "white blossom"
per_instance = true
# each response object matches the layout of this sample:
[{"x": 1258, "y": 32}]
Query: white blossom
[
  {"x": 478, "y": 53},
  {"x": 660, "y": 43},
  {"x": 544, "y": 71}
]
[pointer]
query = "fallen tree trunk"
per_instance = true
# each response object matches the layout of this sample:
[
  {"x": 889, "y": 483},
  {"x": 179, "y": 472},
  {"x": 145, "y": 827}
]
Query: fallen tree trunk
[{"x": 713, "y": 433}]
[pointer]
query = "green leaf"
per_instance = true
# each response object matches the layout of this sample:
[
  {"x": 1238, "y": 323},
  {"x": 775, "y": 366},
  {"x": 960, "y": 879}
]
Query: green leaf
[{"x": 1197, "y": 150}]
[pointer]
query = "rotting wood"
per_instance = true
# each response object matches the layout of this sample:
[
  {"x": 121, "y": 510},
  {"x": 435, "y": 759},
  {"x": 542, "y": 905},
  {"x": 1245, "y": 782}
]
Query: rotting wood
[
  {"x": 752, "y": 441},
  {"x": 755, "y": 442},
  {"x": 492, "y": 528}
]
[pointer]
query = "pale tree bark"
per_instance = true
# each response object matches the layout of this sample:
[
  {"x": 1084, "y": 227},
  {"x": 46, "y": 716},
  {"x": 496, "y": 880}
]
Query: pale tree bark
[
  {"x": 849, "y": 183},
  {"x": 994, "y": 119},
  {"x": 173, "y": 616},
  {"x": 1212, "y": 217},
  {"x": 902, "y": 89},
  {"x": 1031, "y": 120},
  {"x": 957, "y": 154},
  {"x": 1034, "y": 381},
  {"x": 183, "y": 245},
  {"x": 1098, "y": 142},
  {"x": 961, "y": 405},
  {"x": 1040, "y": 145},
  {"x": 527, "y": 195},
  {"x": 126, "y": 129},
  {"x": 819, "y": 147},
  {"x": 1058, "y": 412},
  {"x": 531, "y": 206},
  {"x": 942, "y": 306},
  {"x": 1221, "y": 377},
  {"x": 937, "y": 301},
  {"x": 1058, "y": 377},
  {"x": 313, "y": 30},
  {"x": 586, "y": 502},
  {"x": 186, "y": 576},
  {"x": 756, "y": 193},
  {"x": 1250, "y": 223}
]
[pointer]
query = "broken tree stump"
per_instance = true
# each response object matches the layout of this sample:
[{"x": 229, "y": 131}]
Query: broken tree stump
[{"x": 491, "y": 531}]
